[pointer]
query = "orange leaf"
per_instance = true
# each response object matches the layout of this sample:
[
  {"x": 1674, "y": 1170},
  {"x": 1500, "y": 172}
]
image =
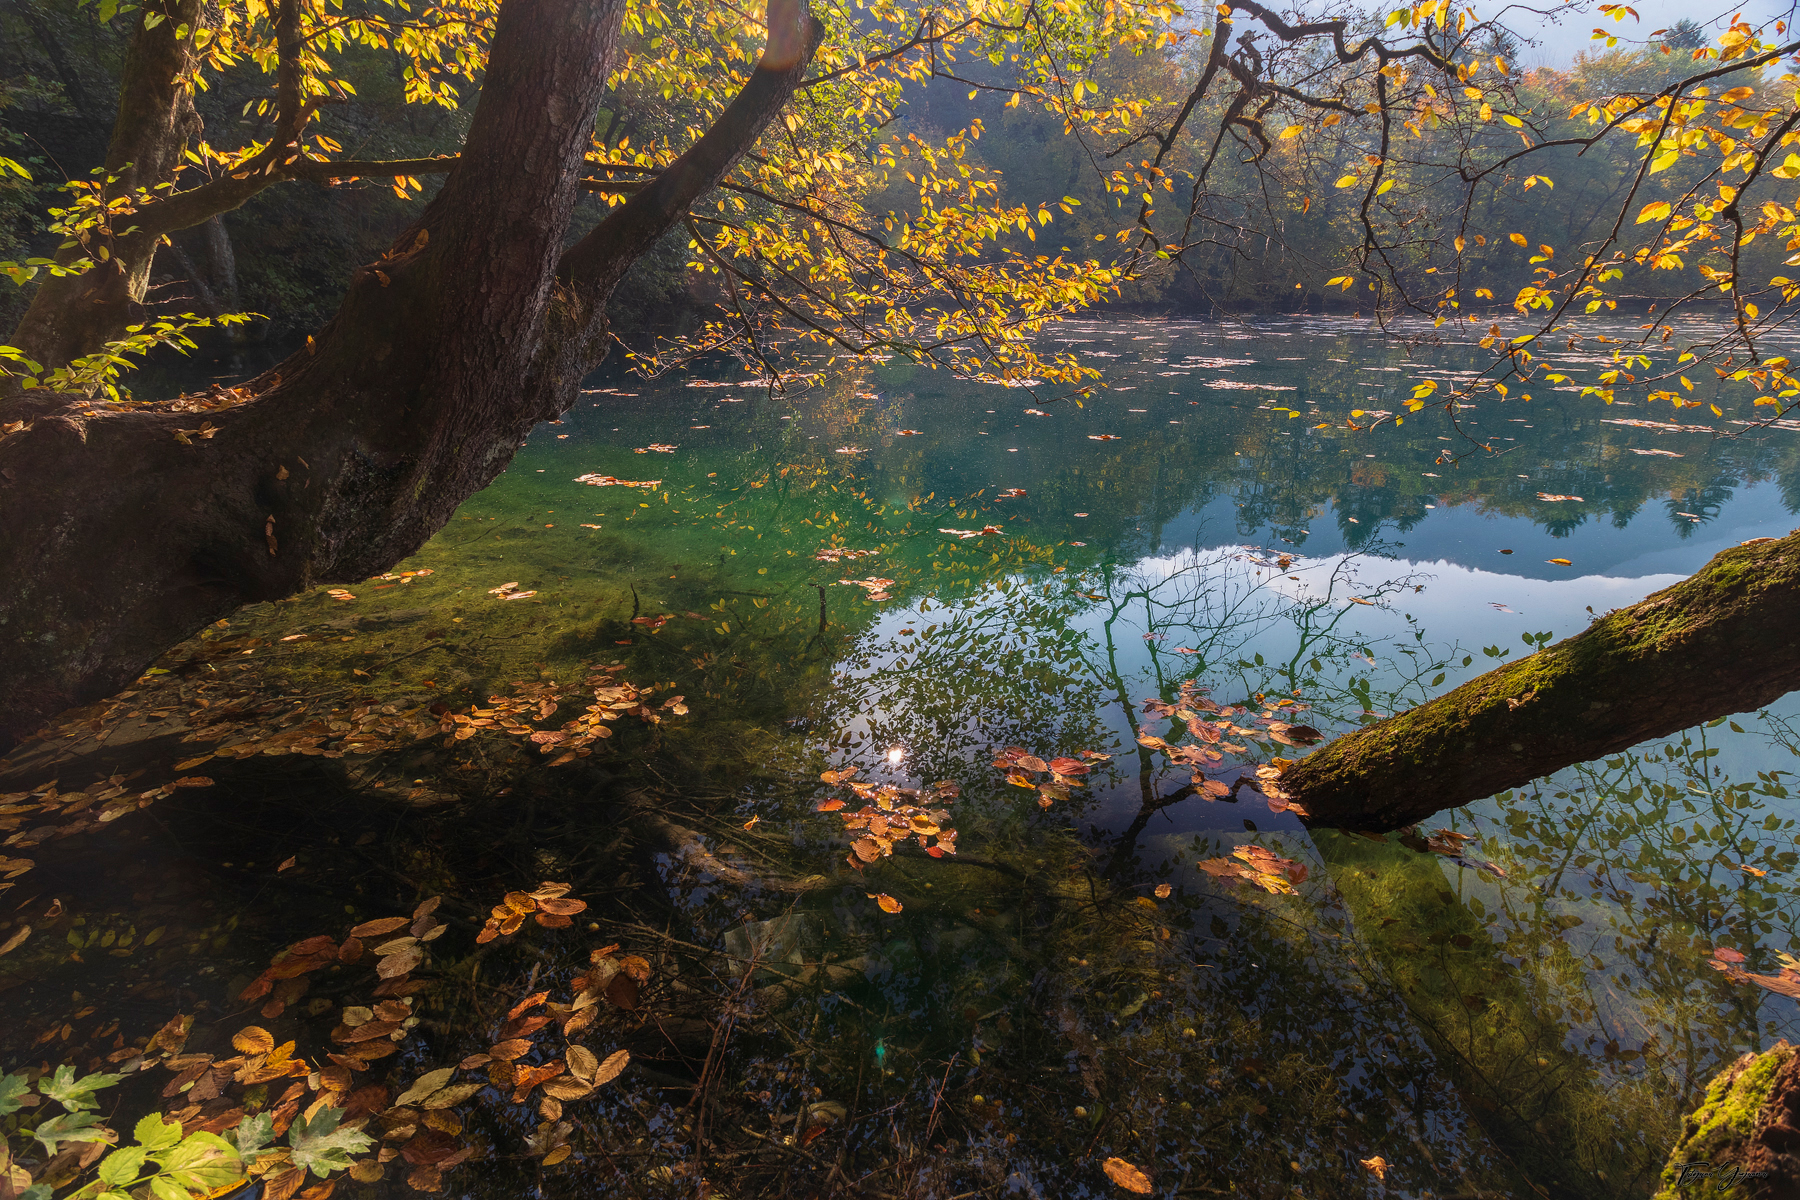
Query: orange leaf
[{"x": 1127, "y": 1176}]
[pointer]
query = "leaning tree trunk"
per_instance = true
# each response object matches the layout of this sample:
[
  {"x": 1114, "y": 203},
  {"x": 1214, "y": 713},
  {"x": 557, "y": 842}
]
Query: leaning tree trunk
[
  {"x": 121, "y": 533},
  {"x": 1723, "y": 641}
]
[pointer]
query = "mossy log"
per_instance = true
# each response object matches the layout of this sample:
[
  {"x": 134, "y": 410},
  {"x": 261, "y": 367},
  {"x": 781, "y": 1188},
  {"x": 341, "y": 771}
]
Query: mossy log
[
  {"x": 1725, "y": 640},
  {"x": 1742, "y": 1141}
]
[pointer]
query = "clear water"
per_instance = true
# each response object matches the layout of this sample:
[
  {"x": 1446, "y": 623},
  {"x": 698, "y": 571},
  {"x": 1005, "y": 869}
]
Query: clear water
[{"x": 1545, "y": 1017}]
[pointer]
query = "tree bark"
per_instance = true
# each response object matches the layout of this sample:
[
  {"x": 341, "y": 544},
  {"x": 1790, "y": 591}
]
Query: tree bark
[
  {"x": 1725, "y": 640},
  {"x": 121, "y": 533}
]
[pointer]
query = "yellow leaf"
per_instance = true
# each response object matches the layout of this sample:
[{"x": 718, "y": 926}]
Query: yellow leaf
[
  {"x": 1653, "y": 212},
  {"x": 888, "y": 903},
  {"x": 1561, "y": 562},
  {"x": 1345, "y": 181},
  {"x": 1127, "y": 1176},
  {"x": 253, "y": 1039},
  {"x": 1518, "y": 239},
  {"x": 1292, "y": 131}
]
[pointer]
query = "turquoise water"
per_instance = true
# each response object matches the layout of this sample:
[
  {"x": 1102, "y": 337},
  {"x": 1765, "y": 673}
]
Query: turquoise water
[{"x": 1536, "y": 1008}]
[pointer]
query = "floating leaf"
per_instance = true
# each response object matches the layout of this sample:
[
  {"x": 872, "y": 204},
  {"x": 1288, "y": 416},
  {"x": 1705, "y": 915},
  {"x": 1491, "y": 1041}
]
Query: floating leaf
[
  {"x": 612, "y": 1068},
  {"x": 253, "y": 1039},
  {"x": 1560, "y": 562},
  {"x": 888, "y": 903},
  {"x": 1127, "y": 1176},
  {"x": 1378, "y": 1164}
]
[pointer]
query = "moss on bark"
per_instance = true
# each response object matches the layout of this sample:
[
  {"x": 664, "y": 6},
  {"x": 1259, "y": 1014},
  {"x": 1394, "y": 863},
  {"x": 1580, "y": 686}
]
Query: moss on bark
[
  {"x": 1738, "y": 1143},
  {"x": 1725, "y": 640}
]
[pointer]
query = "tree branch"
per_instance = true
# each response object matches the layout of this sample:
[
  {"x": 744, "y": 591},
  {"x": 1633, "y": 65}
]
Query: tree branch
[{"x": 595, "y": 263}]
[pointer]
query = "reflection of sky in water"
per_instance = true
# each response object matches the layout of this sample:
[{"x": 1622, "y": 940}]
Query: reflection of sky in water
[{"x": 1231, "y": 603}]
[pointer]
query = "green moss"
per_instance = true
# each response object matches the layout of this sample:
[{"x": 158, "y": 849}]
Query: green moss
[{"x": 1713, "y": 1132}]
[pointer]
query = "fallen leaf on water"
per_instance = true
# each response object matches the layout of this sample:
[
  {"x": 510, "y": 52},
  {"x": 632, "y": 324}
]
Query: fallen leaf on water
[
  {"x": 1127, "y": 1176},
  {"x": 1163, "y": 890},
  {"x": 830, "y": 806},
  {"x": 1561, "y": 562},
  {"x": 838, "y": 776},
  {"x": 614, "y": 481},
  {"x": 1104, "y": 437},
  {"x": 340, "y": 594},
  {"x": 888, "y": 903},
  {"x": 610, "y": 1069},
  {"x": 12, "y": 943},
  {"x": 1377, "y": 1164},
  {"x": 907, "y": 432},
  {"x": 1550, "y": 496},
  {"x": 1010, "y": 494}
]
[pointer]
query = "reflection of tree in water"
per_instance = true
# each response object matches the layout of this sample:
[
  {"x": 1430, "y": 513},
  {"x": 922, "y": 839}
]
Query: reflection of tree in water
[{"x": 1702, "y": 502}]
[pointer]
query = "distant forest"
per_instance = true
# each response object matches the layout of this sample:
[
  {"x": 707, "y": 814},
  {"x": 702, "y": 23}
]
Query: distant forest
[{"x": 288, "y": 252}]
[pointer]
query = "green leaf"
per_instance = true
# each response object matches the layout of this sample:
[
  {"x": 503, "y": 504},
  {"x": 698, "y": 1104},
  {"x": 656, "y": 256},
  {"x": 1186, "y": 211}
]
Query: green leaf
[
  {"x": 321, "y": 1147},
  {"x": 164, "y": 1188},
  {"x": 71, "y": 1127},
  {"x": 155, "y": 1134},
  {"x": 122, "y": 1167},
  {"x": 253, "y": 1133},
  {"x": 201, "y": 1162},
  {"x": 72, "y": 1093},
  {"x": 12, "y": 1087}
]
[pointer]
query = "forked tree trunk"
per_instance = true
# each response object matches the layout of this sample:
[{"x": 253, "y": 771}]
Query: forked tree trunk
[
  {"x": 1725, "y": 640},
  {"x": 121, "y": 533}
]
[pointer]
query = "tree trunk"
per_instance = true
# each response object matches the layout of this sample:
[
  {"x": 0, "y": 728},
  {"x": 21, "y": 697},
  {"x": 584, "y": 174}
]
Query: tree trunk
[
  {"x": 74, "y": 315},
  {"x": 121, "y": 533},
  {"x": 1723, "y": 641}
]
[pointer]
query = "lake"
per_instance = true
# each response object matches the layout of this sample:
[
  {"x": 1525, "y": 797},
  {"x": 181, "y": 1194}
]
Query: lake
[{"x": 916, "y": 586}]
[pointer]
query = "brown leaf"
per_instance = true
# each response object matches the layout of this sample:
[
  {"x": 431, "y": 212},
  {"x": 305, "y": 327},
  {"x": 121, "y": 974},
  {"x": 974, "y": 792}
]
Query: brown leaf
[
  {"x": 582, "y": 1062},
  {"x": 1377, "y": 1164},
  {"x": 528, "y": 1003},
  {"x": 888, "y": 903},
  {"x": 567, "y": 1087},
  {"x": 522, "y": 1027},
  {"x": 508, "y": 1050},
  {"x": 622, "y": 990},
  {"x": 527, "y": 1078},
  {"x": 381, "y": 925},
  {"x": 253, "y": 1039},
  {"x": 1127, "y": 1176},
  {"x": 558, "y": 1154},
  {"x": 281, "y": 1186},
  {"x": 612, "y": 1068},
  {"x": 366, "y": 1170}
]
